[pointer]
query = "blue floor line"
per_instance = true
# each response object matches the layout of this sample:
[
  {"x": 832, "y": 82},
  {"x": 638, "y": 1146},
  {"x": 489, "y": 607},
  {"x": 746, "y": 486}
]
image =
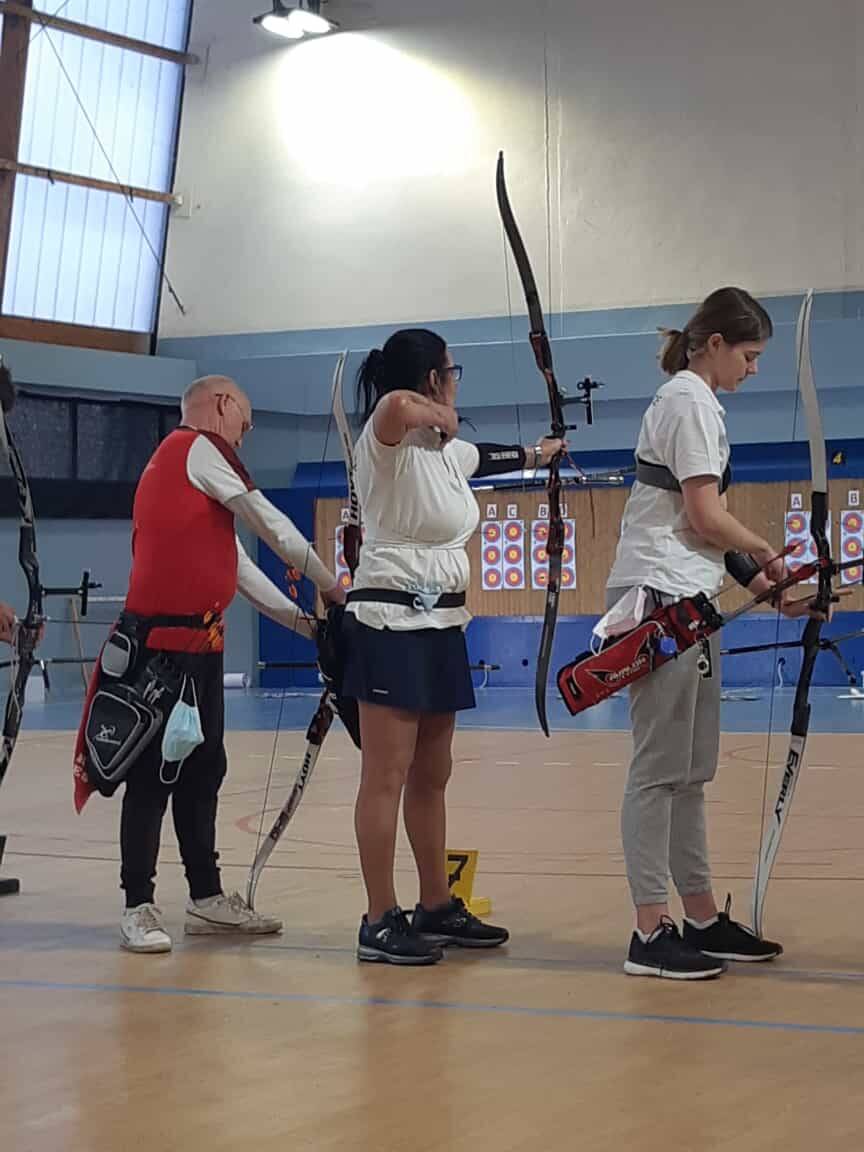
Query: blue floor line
[
  {"x": 440, "y": 1005},
  {"x": 500, "y": 709}
]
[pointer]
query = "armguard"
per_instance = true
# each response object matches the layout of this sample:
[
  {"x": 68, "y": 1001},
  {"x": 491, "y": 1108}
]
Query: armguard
[
  {"x": 741, "y": 567},
  {"x": 495, "y": 458}
]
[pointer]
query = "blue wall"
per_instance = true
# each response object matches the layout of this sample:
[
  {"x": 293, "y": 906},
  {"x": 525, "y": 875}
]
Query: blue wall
[
  {"x": 505, "y": 397},
  {"x": 288, "y": 376}
]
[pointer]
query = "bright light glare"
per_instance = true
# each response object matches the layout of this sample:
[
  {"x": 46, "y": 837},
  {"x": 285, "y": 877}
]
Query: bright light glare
[
  {"x": 380, "y": 115},
  {"x": 309, "y": 22},
  {"x": 282, "y": 26}
]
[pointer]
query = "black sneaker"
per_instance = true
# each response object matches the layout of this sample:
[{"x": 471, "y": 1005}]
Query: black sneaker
[
  {"x": 452, "y": 923},
  {"x": 392, "y": 940},
  {"x": 726, "y": 939},
  {"x": 666, "y": 955}
]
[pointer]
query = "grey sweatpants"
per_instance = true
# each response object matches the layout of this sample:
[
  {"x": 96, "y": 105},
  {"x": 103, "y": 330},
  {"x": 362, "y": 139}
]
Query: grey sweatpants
[{"x": 675, "y": 716}]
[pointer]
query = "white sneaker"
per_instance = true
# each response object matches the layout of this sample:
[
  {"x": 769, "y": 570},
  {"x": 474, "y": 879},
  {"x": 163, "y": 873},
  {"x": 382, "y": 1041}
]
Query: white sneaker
[
  {"x": 141, "y": 930},
  {"x": 222, "y": 913}
]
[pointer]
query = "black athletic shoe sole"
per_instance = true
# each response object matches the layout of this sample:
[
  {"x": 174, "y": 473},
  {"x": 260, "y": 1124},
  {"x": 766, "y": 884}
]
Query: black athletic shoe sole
[
  {"x": 444, "y": 941},
  {"x": 376, "y": 956}
]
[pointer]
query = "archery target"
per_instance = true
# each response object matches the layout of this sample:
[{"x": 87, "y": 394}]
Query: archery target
[
  {"x": 513, "y": 571},
  {"x": 568, "y": 556},
  {"x": 540, "y": 558},
  {"x": 343, "y": 575},
  {"x": 491, "y": 556},
  {"x": 799, "y": 538},
  {"x": 852, "y": 545}
]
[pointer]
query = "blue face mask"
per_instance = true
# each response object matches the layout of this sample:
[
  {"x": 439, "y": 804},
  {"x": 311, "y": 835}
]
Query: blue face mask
[{"x": 183, "y": 732}]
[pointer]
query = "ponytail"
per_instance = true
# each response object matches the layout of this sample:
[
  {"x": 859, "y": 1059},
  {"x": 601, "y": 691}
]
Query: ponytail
[
  {"x": 674, "y": 353},
  {"x": 404, "y": 363},
  {"x": 730, "y": 312}
]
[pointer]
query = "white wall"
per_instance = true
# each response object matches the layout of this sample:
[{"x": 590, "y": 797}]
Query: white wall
[{"x": 350, "y": 180}]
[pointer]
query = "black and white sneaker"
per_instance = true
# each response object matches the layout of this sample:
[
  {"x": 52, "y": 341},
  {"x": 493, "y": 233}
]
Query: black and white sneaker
[
  {"x": 392, "y": 940},
  {"x": 726, "y": 939},
  {"x": 666, "y": 955},
  {"x": 452, "y": 923}
]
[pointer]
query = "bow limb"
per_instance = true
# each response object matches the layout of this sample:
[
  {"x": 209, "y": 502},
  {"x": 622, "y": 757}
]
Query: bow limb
[
  {"x": 29, "y": 629},
  {"x": 558, "y": 429},
  {"x": 352, "y": 533},
  {"x": 320, "y": 723},
  {"x": 811, "y": 639},
  {"x": 315, "y": 733}
]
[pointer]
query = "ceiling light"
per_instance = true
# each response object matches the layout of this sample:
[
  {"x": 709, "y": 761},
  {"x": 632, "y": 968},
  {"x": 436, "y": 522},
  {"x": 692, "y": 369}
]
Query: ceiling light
[{"x": 293, "y": 23}]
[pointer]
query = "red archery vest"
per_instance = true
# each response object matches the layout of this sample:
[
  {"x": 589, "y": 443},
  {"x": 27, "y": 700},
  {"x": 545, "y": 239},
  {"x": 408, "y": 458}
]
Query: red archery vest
[{"x": 184, "y": 552}]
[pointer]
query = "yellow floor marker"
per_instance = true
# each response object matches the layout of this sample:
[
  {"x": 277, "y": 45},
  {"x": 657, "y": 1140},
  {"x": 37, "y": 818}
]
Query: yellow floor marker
[{"x": 461, "y": 867}]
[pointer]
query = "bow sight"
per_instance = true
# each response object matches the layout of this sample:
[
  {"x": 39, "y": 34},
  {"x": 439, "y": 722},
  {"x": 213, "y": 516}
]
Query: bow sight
[{"x": 586, "y": 387}]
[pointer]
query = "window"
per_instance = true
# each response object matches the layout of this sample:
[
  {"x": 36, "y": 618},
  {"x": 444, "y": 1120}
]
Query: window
[
  {"x": 78, "y": 249},
  {"x": 83, "y": 456}
]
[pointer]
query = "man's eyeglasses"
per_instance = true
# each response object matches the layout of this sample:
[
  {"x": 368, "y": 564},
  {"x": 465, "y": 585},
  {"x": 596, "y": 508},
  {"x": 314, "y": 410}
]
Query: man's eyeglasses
[{"x": 455, "y": 371}]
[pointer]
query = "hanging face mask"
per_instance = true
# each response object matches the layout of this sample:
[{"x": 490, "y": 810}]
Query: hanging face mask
[
  {"x": 183, "y": 732},
  {"x": 624, "y": 614}
]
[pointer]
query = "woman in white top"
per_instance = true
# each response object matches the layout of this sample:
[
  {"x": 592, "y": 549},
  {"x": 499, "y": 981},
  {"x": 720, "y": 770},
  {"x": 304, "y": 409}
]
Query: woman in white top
[
  {"x": 406, "y": 658},
  {"x": 678, "y": 538}
]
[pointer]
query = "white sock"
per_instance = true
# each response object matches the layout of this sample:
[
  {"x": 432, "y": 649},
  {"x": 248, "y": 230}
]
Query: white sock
[
  {"x": 701, "y": 925},
  {"x": 645, "y": 936}
]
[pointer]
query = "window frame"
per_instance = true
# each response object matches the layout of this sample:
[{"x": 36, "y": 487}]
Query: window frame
[{"x": 18, "y": 17}]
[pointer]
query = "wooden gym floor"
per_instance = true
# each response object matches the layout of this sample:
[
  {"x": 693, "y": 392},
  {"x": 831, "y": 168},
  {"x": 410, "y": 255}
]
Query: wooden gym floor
[{"x": 288, "y": 1042}]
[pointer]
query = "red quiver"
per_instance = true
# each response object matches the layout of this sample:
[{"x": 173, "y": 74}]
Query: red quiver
[{"x": 660, "y": 637}]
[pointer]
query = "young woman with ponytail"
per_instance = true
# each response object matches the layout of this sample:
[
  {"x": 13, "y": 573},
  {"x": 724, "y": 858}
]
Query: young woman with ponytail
[
  {"x": 406, "y": 659},
  {"x": 678, "y": 538}
]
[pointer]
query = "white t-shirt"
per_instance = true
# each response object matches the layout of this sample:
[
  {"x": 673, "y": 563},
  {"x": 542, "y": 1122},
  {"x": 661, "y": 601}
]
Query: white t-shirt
[
  {"x": 218, "y": 474},
  {"x": 683, "y": 429},
  {"x": 418, "y": 514}
]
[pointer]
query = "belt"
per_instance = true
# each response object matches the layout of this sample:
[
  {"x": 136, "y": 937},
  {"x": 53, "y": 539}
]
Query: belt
[
  {"x": 422, "y": 601},
  {"x": 164, "y": 621}
]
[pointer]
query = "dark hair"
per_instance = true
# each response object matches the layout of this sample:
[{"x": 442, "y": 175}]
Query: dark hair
[
  {"x": 732, "y": 312},
  {"x": 404, "y": 362}
]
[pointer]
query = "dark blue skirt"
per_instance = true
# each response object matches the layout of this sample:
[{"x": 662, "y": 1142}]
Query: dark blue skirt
[{"x": 426, "y": 670}]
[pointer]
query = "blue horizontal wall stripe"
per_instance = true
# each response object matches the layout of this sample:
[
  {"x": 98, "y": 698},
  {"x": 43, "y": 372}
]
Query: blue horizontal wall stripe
[
  {"x": 511, "y": 642},
  {"x": 290, "y": 372},
  {"x": 80, "y": 370},
  {"x": 490, "y": 329},
  {"x": 751, "y": 463}
]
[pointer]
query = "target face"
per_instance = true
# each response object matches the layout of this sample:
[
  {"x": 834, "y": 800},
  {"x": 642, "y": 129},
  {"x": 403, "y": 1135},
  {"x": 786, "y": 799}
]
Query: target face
[{"x": 852, "y": 544}]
